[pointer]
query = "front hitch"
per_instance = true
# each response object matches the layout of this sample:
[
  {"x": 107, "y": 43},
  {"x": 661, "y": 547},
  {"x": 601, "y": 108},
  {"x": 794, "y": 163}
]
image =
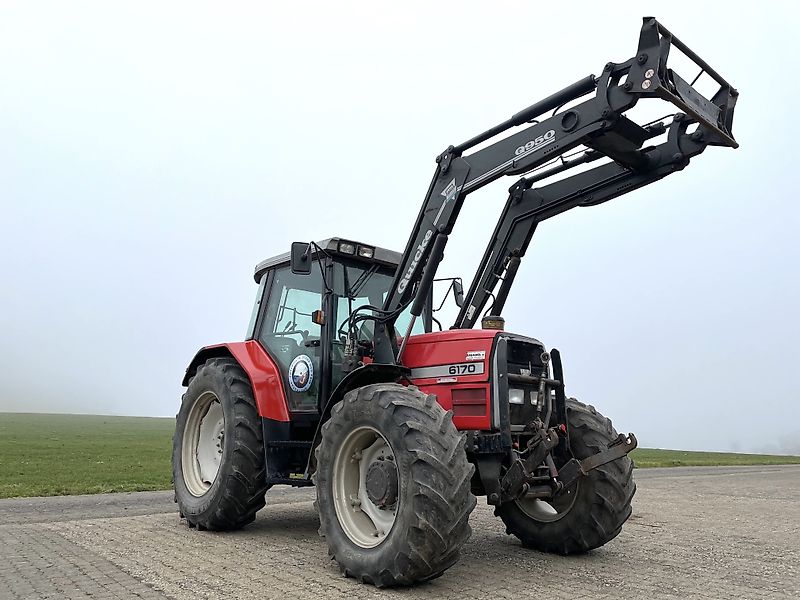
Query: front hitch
[
  {"x": 521, "y": 479},
  {"x": 574, "y": 469}
]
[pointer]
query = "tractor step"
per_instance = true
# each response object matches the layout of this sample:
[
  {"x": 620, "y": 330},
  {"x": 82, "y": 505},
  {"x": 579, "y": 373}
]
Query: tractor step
[
  {"x": 298, "y": 482},
  {"x": 289, "y": 444}
]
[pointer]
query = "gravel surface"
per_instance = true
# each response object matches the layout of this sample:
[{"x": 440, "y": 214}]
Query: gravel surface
[{"x": 729, "y": 532}]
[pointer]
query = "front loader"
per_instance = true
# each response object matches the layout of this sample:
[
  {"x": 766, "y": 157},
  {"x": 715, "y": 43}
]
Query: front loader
[{"x": 344, "y": 384}]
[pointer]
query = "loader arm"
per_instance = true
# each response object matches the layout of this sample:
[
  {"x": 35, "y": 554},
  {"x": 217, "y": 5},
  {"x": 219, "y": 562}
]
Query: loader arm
[
  {"x": 598, "y": 124},
  {"x": 527, "y": 207}
]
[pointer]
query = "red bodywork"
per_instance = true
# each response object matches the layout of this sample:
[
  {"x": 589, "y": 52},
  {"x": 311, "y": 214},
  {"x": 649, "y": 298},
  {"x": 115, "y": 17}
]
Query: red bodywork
[
  {"x": 468, "y": 396},
  {"x": 264, "y": 374}
]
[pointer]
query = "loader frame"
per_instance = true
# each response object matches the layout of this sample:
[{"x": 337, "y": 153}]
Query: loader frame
[{"x": 599, "y": 125}]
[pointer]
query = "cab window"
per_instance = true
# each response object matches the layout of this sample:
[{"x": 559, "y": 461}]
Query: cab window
[
  {"x": 291, "y": 337},
  {"x": 356, "y": 285},
  {"x": 359, "y": 285}
]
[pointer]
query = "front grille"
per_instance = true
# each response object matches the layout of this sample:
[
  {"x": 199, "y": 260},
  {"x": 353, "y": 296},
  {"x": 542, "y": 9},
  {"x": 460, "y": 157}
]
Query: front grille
[{"x": 525, "y": 358}]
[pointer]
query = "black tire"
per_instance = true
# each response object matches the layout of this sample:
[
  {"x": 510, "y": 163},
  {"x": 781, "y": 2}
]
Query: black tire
[
  {"x": 596, "y": 506},
  {"x": 238, "y": 489},
  {"x": 434, "y": 498}
]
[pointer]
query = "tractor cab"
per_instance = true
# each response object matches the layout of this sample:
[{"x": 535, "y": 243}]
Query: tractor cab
[{"x": 301, "y": 316}]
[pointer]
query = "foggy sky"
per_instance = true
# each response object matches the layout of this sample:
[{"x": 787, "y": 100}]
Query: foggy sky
[{"x": 152, "y": 154}]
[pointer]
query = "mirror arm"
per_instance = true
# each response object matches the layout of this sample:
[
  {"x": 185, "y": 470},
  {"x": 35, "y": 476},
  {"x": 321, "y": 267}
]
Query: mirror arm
[{"x": 458, "y": 292}]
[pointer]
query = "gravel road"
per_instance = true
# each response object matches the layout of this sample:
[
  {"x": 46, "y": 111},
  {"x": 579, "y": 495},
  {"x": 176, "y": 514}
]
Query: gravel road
[{"x": 728, "y": 532}]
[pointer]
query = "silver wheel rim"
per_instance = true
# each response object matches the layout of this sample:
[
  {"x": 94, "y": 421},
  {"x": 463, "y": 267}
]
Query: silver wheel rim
[
  {"x": 203, "y": 442},
  {"x": 547, "y": 511},
  {"x": 365, "y": 523}
]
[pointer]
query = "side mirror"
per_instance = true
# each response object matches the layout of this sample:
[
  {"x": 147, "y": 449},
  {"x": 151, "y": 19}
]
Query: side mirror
[
  {"x": 300, "y": 258},
  {"x": 458, "y": 292}
]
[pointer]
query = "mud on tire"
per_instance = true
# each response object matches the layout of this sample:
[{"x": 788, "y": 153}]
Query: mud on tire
[
  {"x": 237, "y": 492},
  {"x": 434, "y": 500},
  {"x": 596, "y": 506}
]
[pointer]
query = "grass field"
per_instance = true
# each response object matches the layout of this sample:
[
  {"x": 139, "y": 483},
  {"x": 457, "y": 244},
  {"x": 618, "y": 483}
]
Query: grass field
[
  {"x": 652, "y": 457},
  {"x": 51, "y": 455}
]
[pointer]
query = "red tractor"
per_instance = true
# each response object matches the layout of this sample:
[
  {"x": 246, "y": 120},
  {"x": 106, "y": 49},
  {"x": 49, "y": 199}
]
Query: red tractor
[{"x": 342, "y": 382}]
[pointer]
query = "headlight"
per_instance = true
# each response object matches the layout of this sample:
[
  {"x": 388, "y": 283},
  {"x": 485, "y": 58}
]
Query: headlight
[
  {"x": 516, "y": 396},
  {"x": 347, "y": 248}
]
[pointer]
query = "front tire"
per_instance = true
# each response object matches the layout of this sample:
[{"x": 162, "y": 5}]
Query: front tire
[
  {"x": 218, "y": 452},
  {"x": 393, "y": 486},
  {"x": 592, "y": 511}
]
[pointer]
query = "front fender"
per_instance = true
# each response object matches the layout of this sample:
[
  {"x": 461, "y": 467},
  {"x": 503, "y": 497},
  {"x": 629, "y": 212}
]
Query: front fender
[{"x": 264, "y": 375}]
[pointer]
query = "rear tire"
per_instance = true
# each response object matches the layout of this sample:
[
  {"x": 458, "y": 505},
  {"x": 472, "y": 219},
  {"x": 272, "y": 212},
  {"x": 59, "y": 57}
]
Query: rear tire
[
  {"x": 411, "y": 443},
  {"x": 590, "y": 513},
  {"x": 217, "y": 451}
]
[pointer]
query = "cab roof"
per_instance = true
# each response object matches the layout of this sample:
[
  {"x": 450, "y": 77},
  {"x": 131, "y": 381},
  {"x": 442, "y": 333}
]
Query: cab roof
[{"x": 380, "y": 256}]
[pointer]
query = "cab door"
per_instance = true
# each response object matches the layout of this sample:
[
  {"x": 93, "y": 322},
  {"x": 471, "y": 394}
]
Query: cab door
[{"x": 291, "y": 337}]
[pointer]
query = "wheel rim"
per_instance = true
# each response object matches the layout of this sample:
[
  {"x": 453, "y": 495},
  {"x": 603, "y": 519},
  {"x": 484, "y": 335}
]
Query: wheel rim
[
  {"x": 364, "y": 521},
  {"x": 548, "y": 511},
  {"x": 203, "y": 443}
]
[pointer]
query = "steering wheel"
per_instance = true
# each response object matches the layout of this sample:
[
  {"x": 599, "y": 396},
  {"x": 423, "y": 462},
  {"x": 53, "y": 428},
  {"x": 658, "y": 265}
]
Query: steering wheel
[
  {"x": 361, "y": 330},
  {"x": 291, "y": 329}
]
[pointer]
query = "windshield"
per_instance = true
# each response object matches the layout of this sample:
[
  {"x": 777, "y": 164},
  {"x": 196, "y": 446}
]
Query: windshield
[{"x": 359, "y": 285}]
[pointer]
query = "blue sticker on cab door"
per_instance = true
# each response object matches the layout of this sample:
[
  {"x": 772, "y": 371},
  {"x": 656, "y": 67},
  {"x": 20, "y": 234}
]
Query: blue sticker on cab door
[{"x": 301, "y": 373}]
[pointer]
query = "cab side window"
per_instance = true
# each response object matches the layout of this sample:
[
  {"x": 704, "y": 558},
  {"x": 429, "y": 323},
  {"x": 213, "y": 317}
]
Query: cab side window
[{"x": 291, "y": 337}]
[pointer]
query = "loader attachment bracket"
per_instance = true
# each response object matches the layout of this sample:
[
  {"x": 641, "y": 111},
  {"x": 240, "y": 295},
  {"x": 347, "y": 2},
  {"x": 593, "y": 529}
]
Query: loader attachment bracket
[{"x": 650, "y": 76}]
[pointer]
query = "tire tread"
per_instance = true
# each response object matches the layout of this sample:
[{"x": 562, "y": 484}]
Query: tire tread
[
  {"x": 242, "y": 492},
  {"x": 608, "y": 503},
  {"x": 440, "y": 478}
]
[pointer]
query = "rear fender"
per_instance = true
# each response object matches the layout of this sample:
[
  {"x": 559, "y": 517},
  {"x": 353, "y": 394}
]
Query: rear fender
[
  {"x": 364, "y": 375},
  {"x": 264, "y": 375}
]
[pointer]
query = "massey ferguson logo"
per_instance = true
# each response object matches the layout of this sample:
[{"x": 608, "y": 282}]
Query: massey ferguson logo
[{"x": 413, "y": 266}]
